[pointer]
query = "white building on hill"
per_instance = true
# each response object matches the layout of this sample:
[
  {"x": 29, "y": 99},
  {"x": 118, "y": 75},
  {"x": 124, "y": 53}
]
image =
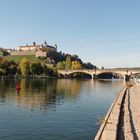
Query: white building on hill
[{"x": 36, "y": 47}]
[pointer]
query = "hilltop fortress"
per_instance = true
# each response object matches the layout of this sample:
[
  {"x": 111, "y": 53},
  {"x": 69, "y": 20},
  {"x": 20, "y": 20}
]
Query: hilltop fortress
[{"x": 39, "y": 50}]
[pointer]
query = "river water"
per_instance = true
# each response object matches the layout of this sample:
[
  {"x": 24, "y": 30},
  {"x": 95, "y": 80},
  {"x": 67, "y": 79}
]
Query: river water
[{"x": 54, "y": 109}]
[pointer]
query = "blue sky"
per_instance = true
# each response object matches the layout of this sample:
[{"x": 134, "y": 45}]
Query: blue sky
[{"x": 103, "y": 32}]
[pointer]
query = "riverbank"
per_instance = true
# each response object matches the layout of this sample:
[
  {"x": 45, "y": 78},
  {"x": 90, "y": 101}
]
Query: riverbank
[
  {"x": 131, "y": 127},
  {"x": 19, "y": 76},
  {"x": 27, "y": 77},
  {"x": 122, "y": 120}
]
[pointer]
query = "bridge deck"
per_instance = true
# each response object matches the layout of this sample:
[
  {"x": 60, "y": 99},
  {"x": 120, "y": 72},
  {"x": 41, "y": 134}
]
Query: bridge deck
[
  {"x": 121, "y": 73},
  {"x": 122, "y": 121}
]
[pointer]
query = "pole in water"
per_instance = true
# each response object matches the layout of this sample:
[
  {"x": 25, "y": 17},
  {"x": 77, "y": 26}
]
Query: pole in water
[{"x": 18, "y": 88}]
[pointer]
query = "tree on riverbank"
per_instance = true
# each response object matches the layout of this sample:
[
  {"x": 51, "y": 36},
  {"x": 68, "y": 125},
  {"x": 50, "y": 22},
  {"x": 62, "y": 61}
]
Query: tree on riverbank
[
  {"x": 24, "y": 66},
  {"x": 68, "y": 62},
  {"x": 61, "y": 65},
  {"x": 76, "y": 65},
  {"x": 7, "y": 67},
  {"x": 36, "y": 68},
  {"x": 74, "y": 62}
]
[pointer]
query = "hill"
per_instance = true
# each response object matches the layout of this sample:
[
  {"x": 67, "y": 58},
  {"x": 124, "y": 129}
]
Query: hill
[{"x": 18, "y": 58}]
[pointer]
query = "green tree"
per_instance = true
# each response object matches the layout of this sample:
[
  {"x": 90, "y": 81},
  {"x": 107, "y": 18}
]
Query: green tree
[
  {"x": 36, "y": 68},
  {"x": 4, "y": 67},
  {"x": 89, "y": 66},
  {"x": 24, "y": 66},
  {"x": 40, "y": 68},
  {"x": 33, "y": 68},
  {"x": 45, "y": 69},
  {"x": 61, "y": 65},
  {"x": 76, "y": 65},
  {"x": 68, "y": 62},
  {"x": 12, "y": 69}
]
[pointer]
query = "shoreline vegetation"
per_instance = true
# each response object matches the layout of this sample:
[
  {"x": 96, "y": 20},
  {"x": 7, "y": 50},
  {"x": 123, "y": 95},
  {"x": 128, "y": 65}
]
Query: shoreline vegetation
[
  {"x": 42, "y": 67},
  {"x": 17, "y": 77}
]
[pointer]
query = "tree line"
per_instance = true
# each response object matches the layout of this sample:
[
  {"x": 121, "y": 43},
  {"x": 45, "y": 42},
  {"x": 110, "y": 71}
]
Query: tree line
[
  {"x": 73, "y": 64},
  {"x": 25, "y": 68}
]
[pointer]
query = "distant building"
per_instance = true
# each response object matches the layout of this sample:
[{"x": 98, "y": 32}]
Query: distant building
[
  {"x": 41, "y": 54},
  {"x": 40, "y": 50},
  {"x": 36, "y": 47},
  {"x": 8, "y": 50},
  {"x": 3, "y": 52}
]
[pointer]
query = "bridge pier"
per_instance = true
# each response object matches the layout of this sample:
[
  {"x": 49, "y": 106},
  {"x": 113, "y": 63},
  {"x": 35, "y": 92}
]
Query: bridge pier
[
  {"x": 94, "y": 76},
  {"x": 127, "y": 77}
]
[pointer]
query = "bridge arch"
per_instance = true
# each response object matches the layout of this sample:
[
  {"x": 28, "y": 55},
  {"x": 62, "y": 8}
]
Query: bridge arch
[
  {"x": 109, "y": 75},
  {"x": 136, "y": 74},
  {"x": 79, "y": 74}
]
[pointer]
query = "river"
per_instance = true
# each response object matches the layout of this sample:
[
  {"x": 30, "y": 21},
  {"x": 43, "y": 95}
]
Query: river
[{"x": 53, "y": 109}]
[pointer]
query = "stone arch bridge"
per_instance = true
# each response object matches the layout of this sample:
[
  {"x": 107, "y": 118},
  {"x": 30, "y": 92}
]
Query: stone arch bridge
[{"x": 94, "y": 73}]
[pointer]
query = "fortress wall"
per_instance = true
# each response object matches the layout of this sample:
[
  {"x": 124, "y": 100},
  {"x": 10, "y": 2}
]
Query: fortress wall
[
  {"x": 41, "y": 54},
  {"x": 23, "y": 53}
]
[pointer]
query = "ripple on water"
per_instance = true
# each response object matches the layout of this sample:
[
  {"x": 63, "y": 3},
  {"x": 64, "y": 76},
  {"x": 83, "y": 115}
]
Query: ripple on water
[{"x": 54, "y": 109}]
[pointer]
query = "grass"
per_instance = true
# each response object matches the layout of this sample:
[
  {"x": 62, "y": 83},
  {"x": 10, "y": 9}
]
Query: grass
[{"x": 18, "y": 58}]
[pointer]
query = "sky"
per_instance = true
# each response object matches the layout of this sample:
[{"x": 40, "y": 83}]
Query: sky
[{"x": 103, "y": 32}]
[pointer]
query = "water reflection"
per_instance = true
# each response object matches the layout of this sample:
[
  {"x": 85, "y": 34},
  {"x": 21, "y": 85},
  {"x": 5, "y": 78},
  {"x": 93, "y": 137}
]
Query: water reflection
[
  {"x": 37, "y": 93},
  {"x": 51, "y": 109},
  {"x": 45, "y": 94}
]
